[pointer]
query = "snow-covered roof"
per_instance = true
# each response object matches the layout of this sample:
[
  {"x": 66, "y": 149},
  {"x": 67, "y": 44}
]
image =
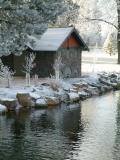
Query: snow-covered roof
[{"x": 52, "y": 39}]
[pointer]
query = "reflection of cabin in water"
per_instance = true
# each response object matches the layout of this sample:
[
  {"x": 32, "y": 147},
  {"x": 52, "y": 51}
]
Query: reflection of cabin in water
[{"x": 55, "y": 41}]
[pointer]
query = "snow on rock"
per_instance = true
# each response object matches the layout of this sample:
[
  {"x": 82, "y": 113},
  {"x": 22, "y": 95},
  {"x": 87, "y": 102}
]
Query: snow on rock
[
  {"x": 9, "y": 103},
  {"x": 3, "y": 108},
  {"x": 70, "y": 90},
  {"x": 81, "y": 84},
  {"x": 34, "y": 96},
  {"x": 41, "y": 103},
  {"x": 74, "y": 97},
  {"x": 83, "y": 95}
]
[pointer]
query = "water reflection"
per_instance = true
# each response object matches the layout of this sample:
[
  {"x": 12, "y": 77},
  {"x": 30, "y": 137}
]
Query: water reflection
[
  {"x": 99, "y": 118},
  {"x": 40, "y": 134},
  {"x": 86, "y": 131},
  {"x": 116, "y": 151}
]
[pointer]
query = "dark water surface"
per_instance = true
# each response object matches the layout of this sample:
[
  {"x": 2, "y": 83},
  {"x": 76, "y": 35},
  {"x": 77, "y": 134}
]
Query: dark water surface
[{"x": 88, "y": 131}]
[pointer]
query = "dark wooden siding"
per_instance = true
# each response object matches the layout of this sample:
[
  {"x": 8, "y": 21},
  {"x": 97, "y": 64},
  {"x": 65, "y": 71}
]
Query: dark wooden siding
[
  {"x": 8, "y": 61},
  {"x": 19, "y": 62},
  {"x": 44, "y": 64},
  {"x": 71, "y": 60}
]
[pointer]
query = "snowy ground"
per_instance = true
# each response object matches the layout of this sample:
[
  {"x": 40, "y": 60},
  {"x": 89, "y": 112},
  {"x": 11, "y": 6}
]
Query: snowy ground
[
  {"x": 89, "y": 68},
  {"x": 97, "y": 61}
]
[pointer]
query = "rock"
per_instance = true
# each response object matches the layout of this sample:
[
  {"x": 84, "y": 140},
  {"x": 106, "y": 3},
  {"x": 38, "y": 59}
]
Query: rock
[
  {"x": 104, "y": 76},
  {"x": 73, "y": 97},
  {"x": 92, "y": 91},
  {"x": 105, "y": 82},
  {"x": 93, "y": 84},
  {"x": 113, "y": 75},
  {"x": 24, "y": 99},
  {"x": 113, "y": 80},
  {"x": 3, "y": 108},
  {"x": 105, "y": 88},
  {"x": 117, "y": 86},
  {"x": 65, "y": 98},
  {"x": 52, "y": 101},
  {"x": 81, "y": 84},
  {"x": 11, "y": 104},
  {"x": 41, "y": 103},
  {"x": 45, "y": 84},
  {"x": 74, "y": 90},
  {"x": 83, "y": 95}
]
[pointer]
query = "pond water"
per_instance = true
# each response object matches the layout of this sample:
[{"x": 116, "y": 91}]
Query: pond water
[{"x": 86, "y": 131}]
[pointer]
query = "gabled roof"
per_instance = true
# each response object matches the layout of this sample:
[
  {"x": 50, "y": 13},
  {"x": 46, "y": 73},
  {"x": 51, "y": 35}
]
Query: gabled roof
[{"x": 53, "y": 39}]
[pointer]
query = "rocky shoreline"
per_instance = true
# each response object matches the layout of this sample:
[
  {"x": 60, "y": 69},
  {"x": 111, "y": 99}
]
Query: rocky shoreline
[{"x": 53, "y": 93}]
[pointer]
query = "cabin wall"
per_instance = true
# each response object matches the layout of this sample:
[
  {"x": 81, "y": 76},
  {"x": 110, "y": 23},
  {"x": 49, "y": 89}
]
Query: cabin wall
[
  {"x": 44, "y": 64},
  {"x": 71, "y": 60},
  {"x": 8, "y": 61},
  {"x": 19, "y": 62}
]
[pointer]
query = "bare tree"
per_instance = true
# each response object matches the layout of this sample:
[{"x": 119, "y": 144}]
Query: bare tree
[
  {"x": 6, "y": 73},
  {"x": 57, "y": 67},
  {"x": 29, "y": 65}
]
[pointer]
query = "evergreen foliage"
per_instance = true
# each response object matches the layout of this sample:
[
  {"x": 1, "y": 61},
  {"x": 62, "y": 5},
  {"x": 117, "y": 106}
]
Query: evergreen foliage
[
  {"x": 110, "y": 45},
  {"x": 20, "y": 18}
]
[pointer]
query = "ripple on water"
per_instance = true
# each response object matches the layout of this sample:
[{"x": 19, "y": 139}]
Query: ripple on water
[{"x": 86, "y": 131}]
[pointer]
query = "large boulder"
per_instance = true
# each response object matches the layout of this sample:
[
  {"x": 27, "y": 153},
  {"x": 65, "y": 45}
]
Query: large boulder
[
  {"x": 41, "y": 103},
  {"x": 3, "y": 109},
  {"x": 52, "y": 101},
  {"x": 73, "y": 97},
  {"x": 24, "y": 99},
  {"x": 11, "y": 104}
]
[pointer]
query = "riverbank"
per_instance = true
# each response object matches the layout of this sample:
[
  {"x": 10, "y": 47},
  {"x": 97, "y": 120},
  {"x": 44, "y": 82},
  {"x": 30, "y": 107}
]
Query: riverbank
[{"x": 53, "y": 92}]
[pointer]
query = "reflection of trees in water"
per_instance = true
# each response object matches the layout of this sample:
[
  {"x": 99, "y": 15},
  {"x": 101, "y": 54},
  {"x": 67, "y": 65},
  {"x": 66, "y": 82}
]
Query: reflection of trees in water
[
  {"x": 40, "y": 121},
  {"x": 18, "y": 126},
  {"x": 42, "y": 133},
  {"x": 116, "y": 152},
  {"x": 71, "y": 124},
  {"x": 17, "y": 130},
  {"x": 66, "y": 119}
]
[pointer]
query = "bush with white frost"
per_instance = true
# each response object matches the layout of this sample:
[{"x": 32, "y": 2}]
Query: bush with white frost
[
  {"x": 57, "y": 67},
  {"x": 29, "y": 65},
  {"x": 6, "y": 73}
]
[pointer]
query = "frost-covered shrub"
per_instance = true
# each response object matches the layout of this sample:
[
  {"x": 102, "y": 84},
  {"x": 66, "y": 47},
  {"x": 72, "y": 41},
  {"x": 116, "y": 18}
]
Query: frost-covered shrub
[
  {"x": 6, "y": 73},
  {"x": 57, "y": 67},
  {"x": 54, "y": 83},
  {"x": 28, "y": 66}
]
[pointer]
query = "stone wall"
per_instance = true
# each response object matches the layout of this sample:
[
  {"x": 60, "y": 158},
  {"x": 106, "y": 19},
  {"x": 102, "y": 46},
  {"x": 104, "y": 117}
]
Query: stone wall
[{"x": 71, "y": 60}]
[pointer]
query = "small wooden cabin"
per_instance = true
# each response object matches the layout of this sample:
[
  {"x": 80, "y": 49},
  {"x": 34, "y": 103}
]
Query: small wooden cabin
[{"x": 54, "y": 42}]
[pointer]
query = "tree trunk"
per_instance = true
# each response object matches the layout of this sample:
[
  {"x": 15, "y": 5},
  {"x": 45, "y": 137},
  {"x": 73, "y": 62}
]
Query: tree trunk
[
  {"x": 57, "y": 74},
  {"x": 8, "y": 82},
  {"x": 118, "y": 34},
  {"x": 118, "y": 45},
  {"x": 27, "y": 79}
]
